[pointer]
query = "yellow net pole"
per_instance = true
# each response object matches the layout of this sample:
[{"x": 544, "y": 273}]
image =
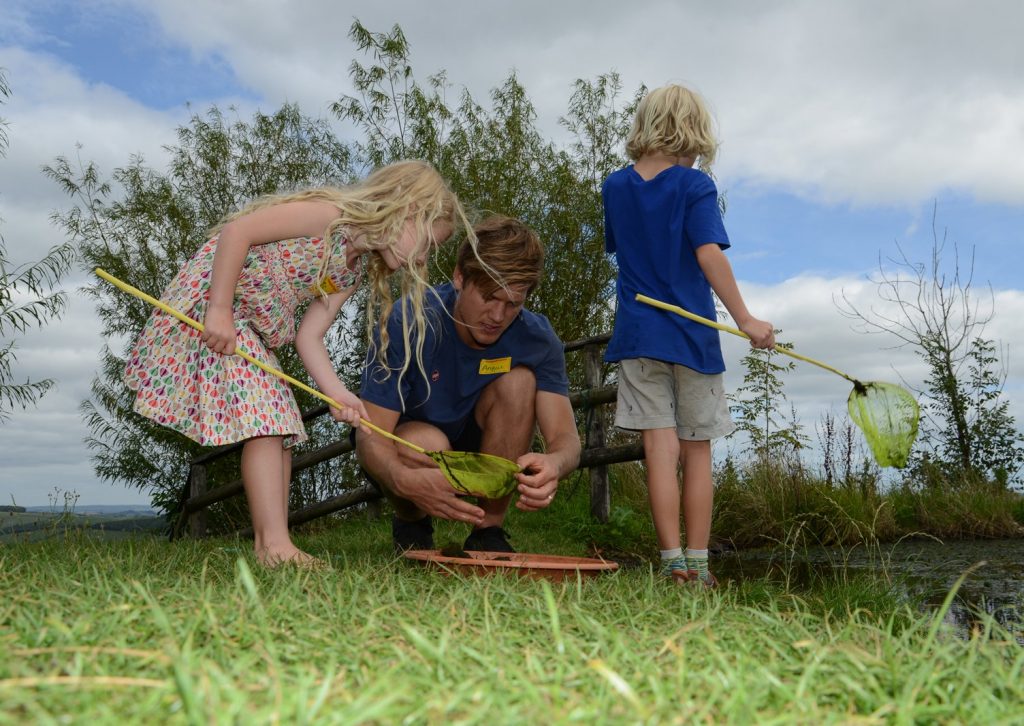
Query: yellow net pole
[{"x": 736, "y": 331}]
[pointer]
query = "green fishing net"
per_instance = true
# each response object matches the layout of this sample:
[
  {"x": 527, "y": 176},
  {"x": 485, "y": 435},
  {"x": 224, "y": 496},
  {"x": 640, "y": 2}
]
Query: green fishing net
[
  {"x": 480, "y": 475},
  {"x": 888, "y": 416}
]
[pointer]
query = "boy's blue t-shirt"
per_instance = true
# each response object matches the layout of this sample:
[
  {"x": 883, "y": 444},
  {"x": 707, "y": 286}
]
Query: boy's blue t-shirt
[
  {"x": 654, "y": 228},
  {"x": 458, "y": 373}
]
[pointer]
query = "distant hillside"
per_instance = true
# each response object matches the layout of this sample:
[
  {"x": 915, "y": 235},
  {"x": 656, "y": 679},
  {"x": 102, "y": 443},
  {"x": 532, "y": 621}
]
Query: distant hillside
[
  {"x": 140, "y": 509},
  {"x": 40, "y": 525}
]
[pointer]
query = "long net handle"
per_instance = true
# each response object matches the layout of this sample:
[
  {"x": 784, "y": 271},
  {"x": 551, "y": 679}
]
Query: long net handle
[
  {"x": 255, "y": 361},
  {"x": 736, "y": 331}
]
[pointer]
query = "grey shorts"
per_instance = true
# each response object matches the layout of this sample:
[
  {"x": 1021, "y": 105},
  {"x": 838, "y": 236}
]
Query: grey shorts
[{"x": 658, "y": 395}]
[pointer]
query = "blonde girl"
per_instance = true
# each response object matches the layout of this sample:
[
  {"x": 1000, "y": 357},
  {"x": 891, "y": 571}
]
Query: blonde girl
[{"x": 246, "y": 284}]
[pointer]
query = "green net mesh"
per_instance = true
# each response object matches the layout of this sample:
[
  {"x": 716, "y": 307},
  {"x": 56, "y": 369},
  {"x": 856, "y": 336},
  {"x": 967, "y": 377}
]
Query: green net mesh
[
  {"x": 481, "y": 475},
  {"x": 888, "y": 416}
]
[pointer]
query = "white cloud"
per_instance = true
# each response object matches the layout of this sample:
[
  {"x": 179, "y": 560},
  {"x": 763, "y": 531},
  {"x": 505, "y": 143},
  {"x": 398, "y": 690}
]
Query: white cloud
[
  {"x": 52, "y": 112},
  {"x": 871, "y": 102}
]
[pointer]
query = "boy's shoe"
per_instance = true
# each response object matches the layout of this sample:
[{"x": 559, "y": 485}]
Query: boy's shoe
[
  {"x": 691, "y": 577},
  {"x": 683, "y": 577},
  {"x": 709, "y": 582},
  {"x": 488, "y": 539},
  {"x": 415, "y": 535},
  {"x": 688, "y": 577}
]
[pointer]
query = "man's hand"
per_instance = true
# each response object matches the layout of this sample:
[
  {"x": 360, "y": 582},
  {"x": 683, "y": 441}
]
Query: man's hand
[
  {"x": 429, "y": 490},
  {"x": 538, "y": 482},
  {"x": 408, "y": 475}
]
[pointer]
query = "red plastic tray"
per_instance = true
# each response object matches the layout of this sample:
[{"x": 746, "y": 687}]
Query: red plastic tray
[{"x": 553, "y": 567}]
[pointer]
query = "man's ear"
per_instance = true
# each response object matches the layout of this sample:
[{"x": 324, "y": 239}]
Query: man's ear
[{"x": 457, "y": 279}]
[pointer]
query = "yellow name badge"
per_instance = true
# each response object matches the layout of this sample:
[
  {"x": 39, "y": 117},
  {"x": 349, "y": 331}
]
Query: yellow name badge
[{"x": 495, "y": 365}]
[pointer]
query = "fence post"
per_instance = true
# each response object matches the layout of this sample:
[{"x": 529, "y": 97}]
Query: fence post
[
  {"x": 197, "y": 486},
  {"x": 600, "y": 496}
]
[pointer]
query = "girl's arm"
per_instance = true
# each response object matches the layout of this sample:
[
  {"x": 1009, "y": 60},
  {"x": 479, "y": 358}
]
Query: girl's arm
[
  {"x": 309, "y": 342},
  {"x": 716, "y": 268},
  {"x": 270, "y": 224}
]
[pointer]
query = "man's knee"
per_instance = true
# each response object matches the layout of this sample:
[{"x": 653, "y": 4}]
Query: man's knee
[
  {"x": 516, "y": 388},
  {"x": 422, "y": 434},
  {"x": 508, "y": 405}
]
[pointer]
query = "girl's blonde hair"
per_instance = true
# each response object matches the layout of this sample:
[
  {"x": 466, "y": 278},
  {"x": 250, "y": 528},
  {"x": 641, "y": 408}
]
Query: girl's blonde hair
[
  {"x": 673, "y": 120},
  {"x": 377, "y": 209}
]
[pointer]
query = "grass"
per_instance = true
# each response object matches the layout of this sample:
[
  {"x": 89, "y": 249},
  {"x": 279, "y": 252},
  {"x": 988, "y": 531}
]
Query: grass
[{"x": 194, "y": 632}]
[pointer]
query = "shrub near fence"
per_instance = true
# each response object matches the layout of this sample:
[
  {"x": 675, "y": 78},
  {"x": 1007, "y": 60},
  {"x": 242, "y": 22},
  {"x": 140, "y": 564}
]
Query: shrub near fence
[{"x": 197, "y": 494}]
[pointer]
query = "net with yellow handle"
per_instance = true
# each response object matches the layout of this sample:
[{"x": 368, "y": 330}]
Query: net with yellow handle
[
  {"x": 472, "y": 473},
  {"x": 887, "y": 414}
]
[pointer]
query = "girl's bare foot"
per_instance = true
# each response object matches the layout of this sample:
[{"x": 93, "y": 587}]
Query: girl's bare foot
[{"x": 271, "y": 558}]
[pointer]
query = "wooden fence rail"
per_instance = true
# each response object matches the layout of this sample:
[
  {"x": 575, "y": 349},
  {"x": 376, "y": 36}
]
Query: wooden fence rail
[{"x": 596, "y": 456}]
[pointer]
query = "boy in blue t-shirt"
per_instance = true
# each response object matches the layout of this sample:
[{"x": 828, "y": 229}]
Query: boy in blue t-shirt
[
  {"x": 495, "y": 372},
  {"x": 664, "y": 226}
]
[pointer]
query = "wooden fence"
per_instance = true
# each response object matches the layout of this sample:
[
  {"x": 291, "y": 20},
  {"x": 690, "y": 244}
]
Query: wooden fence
[{"x": 596, "y": 456}]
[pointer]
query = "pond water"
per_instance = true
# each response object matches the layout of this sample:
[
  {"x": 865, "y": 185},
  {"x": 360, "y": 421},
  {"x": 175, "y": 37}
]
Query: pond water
[{"x": 926, "y": 568}]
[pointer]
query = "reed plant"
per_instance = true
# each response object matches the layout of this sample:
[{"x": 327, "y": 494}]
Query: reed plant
[{"x": 763, "y": 502}]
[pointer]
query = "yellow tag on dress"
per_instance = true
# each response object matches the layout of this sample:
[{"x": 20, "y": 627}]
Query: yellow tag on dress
[
  {"x": 326, "y": 286},
  {"x": 495, "y": 365}
]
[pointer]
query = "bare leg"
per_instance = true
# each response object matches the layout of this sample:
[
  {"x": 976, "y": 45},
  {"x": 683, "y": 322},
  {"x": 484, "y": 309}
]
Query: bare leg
[
  {"x": 507, "y": 418},
  {"x": 662, "y": 454},
  {"x": 286, "y": 478},
  {"x": 698, "y": 492},
  {"x": 266, "y": 467},
  {"x": 430, "y": 438}
]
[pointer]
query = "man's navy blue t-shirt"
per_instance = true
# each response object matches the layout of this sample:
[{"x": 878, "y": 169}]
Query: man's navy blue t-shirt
[{"x": 458, "y": 374}]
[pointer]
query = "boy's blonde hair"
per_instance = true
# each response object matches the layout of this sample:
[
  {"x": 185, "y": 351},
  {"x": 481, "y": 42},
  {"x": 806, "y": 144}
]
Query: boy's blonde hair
[
  {"x": 377, "y": 208},
  {"x": 673, "y": 120}
]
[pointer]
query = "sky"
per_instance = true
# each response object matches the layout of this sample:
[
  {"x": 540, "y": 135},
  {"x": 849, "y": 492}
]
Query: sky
[{"x": 852, "y": 133}]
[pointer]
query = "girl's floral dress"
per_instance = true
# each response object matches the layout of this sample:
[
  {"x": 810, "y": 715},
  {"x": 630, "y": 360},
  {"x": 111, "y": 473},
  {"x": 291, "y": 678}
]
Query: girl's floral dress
[{"x": 219, "y": 399}]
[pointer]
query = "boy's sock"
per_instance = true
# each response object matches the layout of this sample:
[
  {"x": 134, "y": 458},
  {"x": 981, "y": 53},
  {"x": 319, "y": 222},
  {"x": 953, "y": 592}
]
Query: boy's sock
[
  {"x": 698, "y": 560},
  {"x": 672, "y": 560}
]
